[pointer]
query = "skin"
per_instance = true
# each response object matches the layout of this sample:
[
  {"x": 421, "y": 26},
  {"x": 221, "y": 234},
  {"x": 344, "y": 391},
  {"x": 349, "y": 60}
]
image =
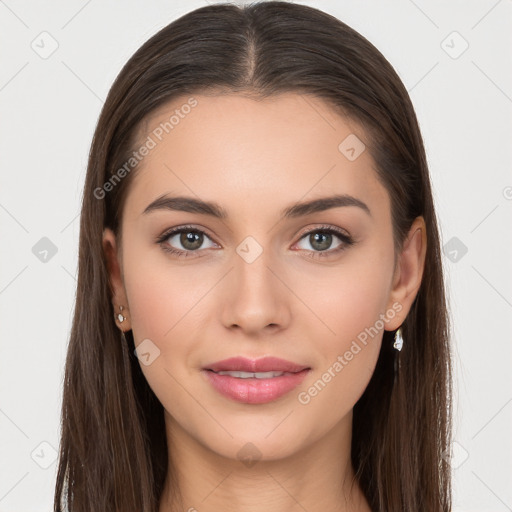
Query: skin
[{"x": 255, "y": 158}]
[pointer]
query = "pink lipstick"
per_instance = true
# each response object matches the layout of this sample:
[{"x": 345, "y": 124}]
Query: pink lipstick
[{"x": 255, "y": 381}]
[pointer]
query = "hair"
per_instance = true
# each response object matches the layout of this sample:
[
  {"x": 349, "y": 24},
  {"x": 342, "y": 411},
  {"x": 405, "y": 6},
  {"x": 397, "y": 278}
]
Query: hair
[{"x": 113, "y": 452}]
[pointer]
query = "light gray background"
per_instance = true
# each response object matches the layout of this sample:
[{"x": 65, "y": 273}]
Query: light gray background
[{"x": 49, "y": 108}]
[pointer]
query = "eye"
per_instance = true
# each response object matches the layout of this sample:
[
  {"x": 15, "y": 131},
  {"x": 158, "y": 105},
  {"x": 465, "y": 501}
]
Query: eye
[
  {"x": 191, "y": 240},
  {"x": 188, "y": 237},
  {"x": 321, "y": 240}
]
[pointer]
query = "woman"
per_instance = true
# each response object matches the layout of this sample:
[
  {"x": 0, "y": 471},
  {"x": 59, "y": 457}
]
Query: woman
[{"x": 260, "y": 320}]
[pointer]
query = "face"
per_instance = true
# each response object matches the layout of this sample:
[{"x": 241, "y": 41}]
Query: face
[{"x": 316, "y": 287}]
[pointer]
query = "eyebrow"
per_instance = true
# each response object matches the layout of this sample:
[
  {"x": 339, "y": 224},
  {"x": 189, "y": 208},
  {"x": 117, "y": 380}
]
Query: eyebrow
[{"x": 192, "y": 205}]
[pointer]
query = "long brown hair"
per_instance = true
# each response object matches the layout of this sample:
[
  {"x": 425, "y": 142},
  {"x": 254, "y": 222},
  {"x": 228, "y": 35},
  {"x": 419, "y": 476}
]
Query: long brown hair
[{"x": 113, "y": 452}]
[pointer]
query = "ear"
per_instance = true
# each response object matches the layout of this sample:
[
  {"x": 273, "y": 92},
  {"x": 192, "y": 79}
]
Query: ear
[
  {"x": 408, "y": 272},
  {"x": 114, "y": 266}
]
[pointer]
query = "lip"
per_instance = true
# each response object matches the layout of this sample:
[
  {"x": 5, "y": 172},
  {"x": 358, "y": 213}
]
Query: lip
[
  {"x": 253, "y": 390},
  {"x": 265, "y": 364}
]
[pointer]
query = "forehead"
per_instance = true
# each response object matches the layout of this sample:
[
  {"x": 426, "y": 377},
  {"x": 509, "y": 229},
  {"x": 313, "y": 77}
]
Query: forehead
[{"x": 246, "y": 153}]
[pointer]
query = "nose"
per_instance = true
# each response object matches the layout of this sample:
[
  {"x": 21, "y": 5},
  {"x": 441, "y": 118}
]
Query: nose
[{"x": 256, "y": 298}]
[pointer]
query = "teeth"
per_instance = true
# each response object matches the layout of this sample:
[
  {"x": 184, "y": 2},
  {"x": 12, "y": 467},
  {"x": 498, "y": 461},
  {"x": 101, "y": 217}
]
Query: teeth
[{"x": 250, "y": 375}]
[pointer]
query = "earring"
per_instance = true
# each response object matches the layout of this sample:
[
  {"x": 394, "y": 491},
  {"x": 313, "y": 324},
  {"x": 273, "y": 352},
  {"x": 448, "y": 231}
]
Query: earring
[
  {"x": 398, "y": 341},
  {"x": 120, "y": 315}
]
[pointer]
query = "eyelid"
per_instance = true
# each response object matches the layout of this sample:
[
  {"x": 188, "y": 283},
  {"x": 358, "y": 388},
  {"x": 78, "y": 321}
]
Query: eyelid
[
  {"x": 190, "y": 227},
  {"x": 325, "y": 227}
]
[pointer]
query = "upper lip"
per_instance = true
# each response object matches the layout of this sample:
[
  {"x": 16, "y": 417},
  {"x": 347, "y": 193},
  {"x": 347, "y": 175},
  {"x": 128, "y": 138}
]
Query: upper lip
[{"x": 265, "y": 364}]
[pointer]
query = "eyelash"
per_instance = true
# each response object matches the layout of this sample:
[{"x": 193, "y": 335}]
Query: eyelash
[{"x": 347, "y": 241}]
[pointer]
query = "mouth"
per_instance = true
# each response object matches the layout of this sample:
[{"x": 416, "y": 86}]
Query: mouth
[
  {"x": 252, "y": 381},
  {"x": 253, "y": 375},
  {"x": 256, "y": 366}
]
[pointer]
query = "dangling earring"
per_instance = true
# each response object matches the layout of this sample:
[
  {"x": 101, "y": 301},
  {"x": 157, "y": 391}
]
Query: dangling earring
[
  {"x": 120, "y": 315},
  {"x": 397, "y": 345},
  {"x": 398, "y": 341}
]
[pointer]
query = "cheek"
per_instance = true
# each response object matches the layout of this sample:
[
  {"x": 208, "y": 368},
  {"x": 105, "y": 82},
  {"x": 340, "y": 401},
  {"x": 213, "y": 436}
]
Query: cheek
[
  {"x": 349, "y": 305},
  {"x": 346, "y": 357},
  {"x": 345, "y": 302},
  {"x": 162, "y": 298},
  {"x": 167, "y": 307},
  {"x": 152, "y": 303},
  {"x": 162, "y": 310}
]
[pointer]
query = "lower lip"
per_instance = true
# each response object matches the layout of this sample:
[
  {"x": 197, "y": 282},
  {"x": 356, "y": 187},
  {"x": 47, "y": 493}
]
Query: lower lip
[{"x": 252, "y": 390}]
